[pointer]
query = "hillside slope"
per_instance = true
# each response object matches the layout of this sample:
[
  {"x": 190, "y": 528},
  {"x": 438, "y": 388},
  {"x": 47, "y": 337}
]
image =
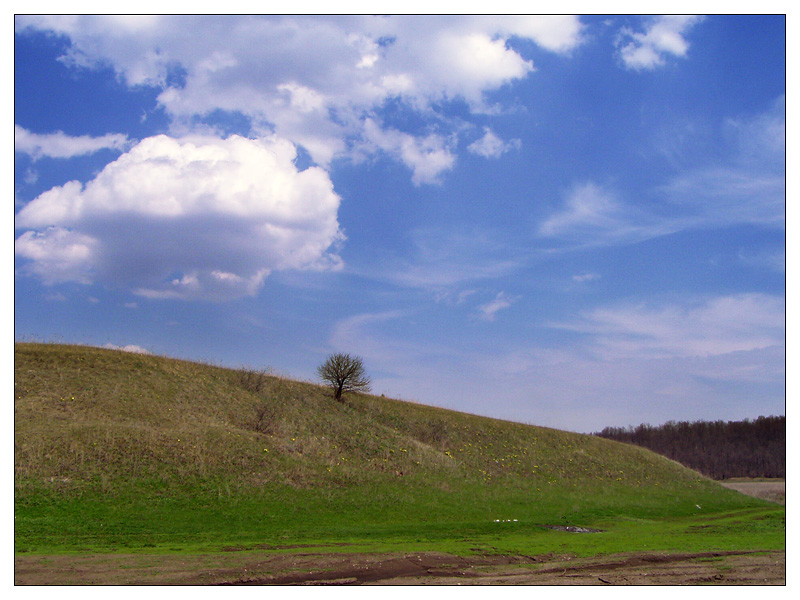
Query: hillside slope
[{"x": 130, "y": 438}]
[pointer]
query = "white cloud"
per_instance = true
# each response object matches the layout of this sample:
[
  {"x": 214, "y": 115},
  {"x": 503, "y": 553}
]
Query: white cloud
[
  {"x": 568, "y": 389},
  {"x": 765, "y": 259},
  {"x": 645, "y": 362},
  {"x": 60, "y": 145},
  {"x": 58, "y": 255},
  {"x": 500, "y": 302},
  {"x": 750, "y": 186},
  {"x": 312, "y": 79},
  {"x": 467, "y": 63},
  {"x": 747, "y": 186},
  {"x": 624, "y": 364},
  {"x": 587, "y": 206},
  {"x": 664, "y": 35},
  {"x": 711, "y": 327},
  {"x": 454, "y": 298},
  {"x": 195, "y": 217},
  {"x": 442, "y": 260},
  {"x": 726, "y": 196},
  {"x": 355, "y": 333},
  {"x": 593, "y": 215},
  {"x": 128, "y": 348},
  {"x": 426, "y": 157},
  {"x": 762, "y": 137},
  {"x": 583, "y": 277},
  {"x": 491, "y": 146}
]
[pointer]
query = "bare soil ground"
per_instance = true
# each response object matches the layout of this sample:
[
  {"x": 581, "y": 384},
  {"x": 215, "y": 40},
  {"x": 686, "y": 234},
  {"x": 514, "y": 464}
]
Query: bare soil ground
[
  {"x": 773, "y": 490},
  {"x": 246, "y": 568}
]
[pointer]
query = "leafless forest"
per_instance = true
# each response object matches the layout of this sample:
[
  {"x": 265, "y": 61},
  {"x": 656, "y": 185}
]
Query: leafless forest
[{"x": 718, "y": 449}]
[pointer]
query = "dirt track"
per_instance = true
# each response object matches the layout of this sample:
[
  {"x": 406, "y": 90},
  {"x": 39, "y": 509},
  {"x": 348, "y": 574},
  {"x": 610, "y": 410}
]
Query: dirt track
[{"x": 734, "y": 568}]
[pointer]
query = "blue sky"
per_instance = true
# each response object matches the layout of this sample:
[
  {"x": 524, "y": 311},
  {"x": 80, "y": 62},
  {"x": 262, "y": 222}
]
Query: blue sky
[{"x": 568, "y": 221}]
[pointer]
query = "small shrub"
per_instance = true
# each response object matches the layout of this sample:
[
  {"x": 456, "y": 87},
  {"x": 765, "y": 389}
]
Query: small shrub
[
  {"x": 253, "y": 380},
  {"x": 433, "y": 432},
  {"x": 266, "y": 418}
]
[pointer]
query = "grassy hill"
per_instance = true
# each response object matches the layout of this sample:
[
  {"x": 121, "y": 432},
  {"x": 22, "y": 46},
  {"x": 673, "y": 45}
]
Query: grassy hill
[{"x": 120, "y": 451}]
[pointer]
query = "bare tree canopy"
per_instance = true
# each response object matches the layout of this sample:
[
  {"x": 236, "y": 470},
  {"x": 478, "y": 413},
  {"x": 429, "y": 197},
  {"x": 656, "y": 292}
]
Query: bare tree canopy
[
  {"x": 344, "y": 373},
  {"x": 718, "y": 449}
]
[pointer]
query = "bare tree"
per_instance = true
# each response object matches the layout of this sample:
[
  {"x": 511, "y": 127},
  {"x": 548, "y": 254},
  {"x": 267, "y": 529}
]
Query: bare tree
[{"x": 344, "y": 373}]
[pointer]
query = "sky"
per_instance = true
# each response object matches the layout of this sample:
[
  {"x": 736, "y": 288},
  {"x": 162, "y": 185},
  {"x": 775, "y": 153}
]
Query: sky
[{"x": 574, "y": 222}]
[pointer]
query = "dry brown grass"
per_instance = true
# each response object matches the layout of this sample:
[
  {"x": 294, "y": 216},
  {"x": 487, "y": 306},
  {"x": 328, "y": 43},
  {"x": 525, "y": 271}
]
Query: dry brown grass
[{"x": 773, "y": 490}]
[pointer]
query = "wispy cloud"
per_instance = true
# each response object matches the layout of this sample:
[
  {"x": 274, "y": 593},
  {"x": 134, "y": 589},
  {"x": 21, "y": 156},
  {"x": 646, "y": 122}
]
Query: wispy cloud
[
  {"x": 380, "y": 339},
  {"x": 659, "y": 358},
  {"x": 445, "y": 259},
  {"x": 665, "y": 360},
  {"x": 593, "y": 215},
  {"x": 571, "y": 389},
  {"x": 748, "y": 186},
  {"x": 764, "y": 259},
  {"x": 654, "y": 358},
  {"x": 727, "y": 196},
  {"x": 706, "y": 327},
  {"x": 355, "y": 332},
  {"x": 500, "y": 302}
]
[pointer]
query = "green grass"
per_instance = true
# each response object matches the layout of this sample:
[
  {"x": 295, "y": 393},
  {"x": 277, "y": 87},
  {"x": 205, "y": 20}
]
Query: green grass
[{"x": 118, "y": 452}]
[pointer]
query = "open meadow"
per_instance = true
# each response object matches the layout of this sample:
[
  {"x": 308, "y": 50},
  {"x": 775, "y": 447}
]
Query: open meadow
[{"x": 133, "y": 468}]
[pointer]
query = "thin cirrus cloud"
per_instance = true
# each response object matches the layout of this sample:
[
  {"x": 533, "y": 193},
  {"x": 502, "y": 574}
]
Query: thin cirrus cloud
[
  {"x": 593, "y": 215},
  {"x": 187, "y": 218},
  {"x": 665, "y": 354},
  {"x": 442, "y": 261},
  {"x": 748, "y": 186},
  {"x": 683, "y": 354},
  {"x": 700, "y": 328},
  {"x": 500, "y": 302},
  {"x": 61, "y": 145}
]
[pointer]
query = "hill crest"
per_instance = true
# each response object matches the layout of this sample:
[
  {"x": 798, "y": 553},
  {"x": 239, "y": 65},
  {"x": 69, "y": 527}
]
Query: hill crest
[{"x": 83, "y": 411}]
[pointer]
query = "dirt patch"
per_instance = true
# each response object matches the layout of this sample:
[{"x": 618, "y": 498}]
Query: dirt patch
[
  {"x": 572, "y": 529},
  {"x": 772, "y": 490},
  {"x": 728, "y": 568}
]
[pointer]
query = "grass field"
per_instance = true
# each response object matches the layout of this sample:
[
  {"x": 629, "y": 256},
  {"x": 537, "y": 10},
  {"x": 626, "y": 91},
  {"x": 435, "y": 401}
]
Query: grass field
[{"x": 126, "y": 453}]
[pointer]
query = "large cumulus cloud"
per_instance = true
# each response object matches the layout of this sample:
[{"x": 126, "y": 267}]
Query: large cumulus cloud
[
  {"x": 203, "y": 217},
  {"x": 193, "y": 217}
]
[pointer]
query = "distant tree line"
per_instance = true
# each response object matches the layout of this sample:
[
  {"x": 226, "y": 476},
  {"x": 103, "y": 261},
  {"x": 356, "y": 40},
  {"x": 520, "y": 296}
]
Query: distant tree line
[{"x": 717, "y": 449}]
